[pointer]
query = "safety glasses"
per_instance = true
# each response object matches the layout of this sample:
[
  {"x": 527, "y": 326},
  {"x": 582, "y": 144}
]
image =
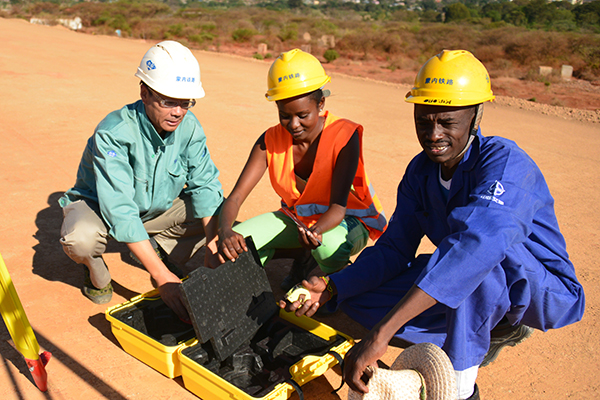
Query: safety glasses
[{"x": 164, "y": 103}]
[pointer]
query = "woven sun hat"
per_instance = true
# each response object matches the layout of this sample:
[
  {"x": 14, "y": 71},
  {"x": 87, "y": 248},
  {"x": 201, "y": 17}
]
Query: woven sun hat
[{"x": 421, "y": 372}]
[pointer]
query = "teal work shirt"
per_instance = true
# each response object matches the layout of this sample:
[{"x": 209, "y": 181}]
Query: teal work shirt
[{"x": 134, "y": 175}]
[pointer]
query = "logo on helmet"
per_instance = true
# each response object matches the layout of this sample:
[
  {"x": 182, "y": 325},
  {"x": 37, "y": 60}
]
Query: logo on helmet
[
  {"x": 290, "y": 76},
  {"x": 441, "y": 81},
  {"x": 150, "y": 65},
  {"x": 438, "y": 101},
  {"x": 185, "y": 79}
]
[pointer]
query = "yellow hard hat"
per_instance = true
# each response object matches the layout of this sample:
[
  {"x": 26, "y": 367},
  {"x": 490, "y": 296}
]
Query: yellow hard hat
[
  {"x": 451, "y": 78},
  {"x": 294, "y": 73}
]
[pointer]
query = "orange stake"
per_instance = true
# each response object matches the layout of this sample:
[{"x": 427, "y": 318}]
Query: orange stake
[{"x": 20, "y": 330}]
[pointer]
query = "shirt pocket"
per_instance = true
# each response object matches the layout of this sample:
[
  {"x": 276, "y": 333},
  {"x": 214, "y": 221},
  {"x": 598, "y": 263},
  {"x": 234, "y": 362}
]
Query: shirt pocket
[
  {"x": 176, "y": 178},
  {"x": 141, "y": 189}
]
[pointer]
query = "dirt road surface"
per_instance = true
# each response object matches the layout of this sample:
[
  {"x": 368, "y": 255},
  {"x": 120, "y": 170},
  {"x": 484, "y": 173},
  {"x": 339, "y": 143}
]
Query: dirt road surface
[{"x": 56, "y": 85}]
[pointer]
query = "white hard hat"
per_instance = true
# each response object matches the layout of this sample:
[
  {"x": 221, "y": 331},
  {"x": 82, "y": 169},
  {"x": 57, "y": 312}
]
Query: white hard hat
[{"x": 171, "y": 69}]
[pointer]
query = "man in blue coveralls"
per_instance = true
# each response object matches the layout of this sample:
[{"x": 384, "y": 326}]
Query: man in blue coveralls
[
  {"x": 500, "y": 268},
  {"x": 146, "y": 179}
]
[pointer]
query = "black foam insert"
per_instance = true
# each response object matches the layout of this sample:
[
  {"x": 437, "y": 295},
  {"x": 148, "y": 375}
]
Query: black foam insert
[
  {"x": 263, "y": 362},
  {"x": 228, "y": 305},
  {"x": 153, "y": 318}
]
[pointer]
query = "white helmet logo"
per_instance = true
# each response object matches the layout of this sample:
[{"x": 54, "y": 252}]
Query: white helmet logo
[{"x": 150, "y": 65}]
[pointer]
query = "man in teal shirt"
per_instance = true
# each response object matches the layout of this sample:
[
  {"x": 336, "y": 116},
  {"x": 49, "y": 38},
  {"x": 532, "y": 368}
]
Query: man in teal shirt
[{"x": 146, "y": 179}]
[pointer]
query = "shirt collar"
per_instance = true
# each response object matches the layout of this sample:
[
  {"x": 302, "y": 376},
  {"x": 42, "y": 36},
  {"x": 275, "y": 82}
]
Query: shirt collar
[{"x": 472, "y": 154}]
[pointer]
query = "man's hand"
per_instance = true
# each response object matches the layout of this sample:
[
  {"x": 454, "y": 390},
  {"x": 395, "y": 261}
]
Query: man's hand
[
  {"x": 318, "y": 296},
  {"x": 363, "y": 354},
  {"x": 212, "y": 260},
  {"x": 212, "y": 257},
  {"x": 171, "y": 294},
  {"x": 231, "y": 244},
  {"x": 374, "y": 345}
]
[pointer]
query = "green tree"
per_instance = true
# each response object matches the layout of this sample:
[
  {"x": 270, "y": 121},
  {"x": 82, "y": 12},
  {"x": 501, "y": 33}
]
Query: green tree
[
  {"x": 587, "y": 14},
  {"x": 457, "y": 12},
  {"x": 516, "y": 17}
]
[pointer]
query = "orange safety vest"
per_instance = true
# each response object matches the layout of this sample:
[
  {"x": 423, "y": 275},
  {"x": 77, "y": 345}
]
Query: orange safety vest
[{"x": 363, "y": 203}]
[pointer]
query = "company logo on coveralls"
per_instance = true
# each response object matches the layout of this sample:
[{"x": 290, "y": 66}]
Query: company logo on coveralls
[
  {"x": 190, "y": 79},
  {"x": 494, "y": 191}
]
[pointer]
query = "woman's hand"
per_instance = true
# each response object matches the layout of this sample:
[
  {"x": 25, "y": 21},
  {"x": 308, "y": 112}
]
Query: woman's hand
[
  {"x": 309, "y": 239},
  {"x": 231, "y": 244}
]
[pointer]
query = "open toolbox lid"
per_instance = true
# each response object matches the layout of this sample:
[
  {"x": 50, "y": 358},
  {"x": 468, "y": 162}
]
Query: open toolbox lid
[{"x": 228, "y": 305}]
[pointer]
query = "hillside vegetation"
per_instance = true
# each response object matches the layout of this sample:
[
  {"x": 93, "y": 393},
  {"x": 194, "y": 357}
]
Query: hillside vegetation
[{"x": 512, "y": 38}]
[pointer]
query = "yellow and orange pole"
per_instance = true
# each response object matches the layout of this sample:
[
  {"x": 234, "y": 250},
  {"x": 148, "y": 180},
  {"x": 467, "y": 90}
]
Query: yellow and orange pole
[{"x": 20, "y": 330}]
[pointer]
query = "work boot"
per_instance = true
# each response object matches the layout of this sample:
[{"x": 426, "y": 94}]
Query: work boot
[
  {"x": 301, "y": 268},
  {"x": 97, "y": 296},
  {"x": 504, "y": 335}
]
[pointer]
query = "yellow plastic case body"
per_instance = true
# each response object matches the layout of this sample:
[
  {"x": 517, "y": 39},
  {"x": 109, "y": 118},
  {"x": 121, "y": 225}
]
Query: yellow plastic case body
[
  {"x": 209, "y": 386},
  {"x": 164, "y": 359}
]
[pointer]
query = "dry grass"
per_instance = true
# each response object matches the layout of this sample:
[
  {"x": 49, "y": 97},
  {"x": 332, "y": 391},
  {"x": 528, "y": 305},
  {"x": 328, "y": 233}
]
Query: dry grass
[{"x": 400, "y": 40}]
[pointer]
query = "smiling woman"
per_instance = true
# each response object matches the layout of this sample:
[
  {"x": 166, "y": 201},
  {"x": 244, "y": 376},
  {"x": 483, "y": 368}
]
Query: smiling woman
[{"x": 315, "y": 164}]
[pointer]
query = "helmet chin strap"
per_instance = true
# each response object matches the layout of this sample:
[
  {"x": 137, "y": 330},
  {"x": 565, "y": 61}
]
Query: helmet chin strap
[{"x": 473, "y": 129}]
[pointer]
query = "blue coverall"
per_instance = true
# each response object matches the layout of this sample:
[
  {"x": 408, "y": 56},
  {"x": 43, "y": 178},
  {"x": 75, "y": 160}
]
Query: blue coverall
[{"x": 499, "y": 253}]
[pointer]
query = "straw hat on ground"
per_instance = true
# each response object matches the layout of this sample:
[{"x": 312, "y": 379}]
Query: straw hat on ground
[{"x": 422, "y": 371}]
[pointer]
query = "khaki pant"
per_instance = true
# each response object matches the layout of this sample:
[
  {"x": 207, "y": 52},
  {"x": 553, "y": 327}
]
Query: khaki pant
[{"x": 84, "y": 235}]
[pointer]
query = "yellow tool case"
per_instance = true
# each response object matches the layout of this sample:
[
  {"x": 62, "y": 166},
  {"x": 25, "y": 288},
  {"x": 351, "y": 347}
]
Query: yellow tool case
[
  {"x": 148, "y": 330},
  {"x": 239, "y": 345}
]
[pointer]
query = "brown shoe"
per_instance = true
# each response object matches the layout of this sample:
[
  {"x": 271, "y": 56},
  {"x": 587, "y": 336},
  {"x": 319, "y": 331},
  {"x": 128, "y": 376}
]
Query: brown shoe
[
  {"x": 97, "y": 296},
  {"x": 504, "y": 335}
]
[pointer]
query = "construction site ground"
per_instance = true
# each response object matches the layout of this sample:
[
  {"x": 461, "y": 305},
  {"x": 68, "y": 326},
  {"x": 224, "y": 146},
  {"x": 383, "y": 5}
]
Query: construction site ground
[{"x": 56, "y": 85}]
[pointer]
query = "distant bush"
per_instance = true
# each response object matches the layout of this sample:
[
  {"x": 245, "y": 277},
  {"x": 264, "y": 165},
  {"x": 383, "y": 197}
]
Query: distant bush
[
  {"x": 201, "y": 38},
  {"x": 243, "y": 35},
  {"x": 330, "y": 55},
  {"x": 289, "y": 32}
]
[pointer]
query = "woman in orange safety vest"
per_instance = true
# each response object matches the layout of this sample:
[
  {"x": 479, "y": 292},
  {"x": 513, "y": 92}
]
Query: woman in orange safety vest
[{"x": 329, "y": 209}]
